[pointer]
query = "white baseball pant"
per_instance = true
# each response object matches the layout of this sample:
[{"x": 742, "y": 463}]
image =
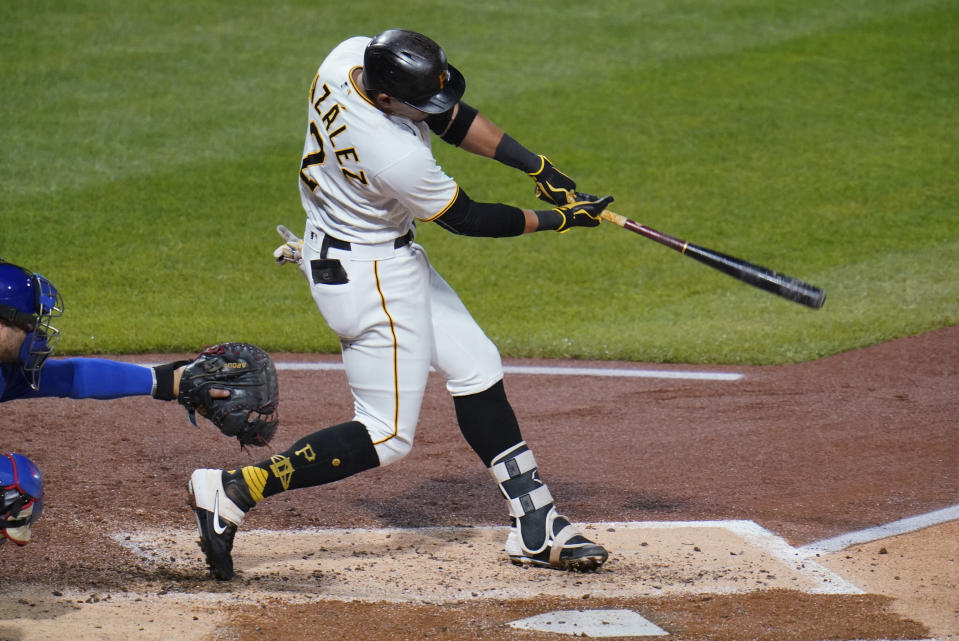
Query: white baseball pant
[{"x": 396, "y": 317}]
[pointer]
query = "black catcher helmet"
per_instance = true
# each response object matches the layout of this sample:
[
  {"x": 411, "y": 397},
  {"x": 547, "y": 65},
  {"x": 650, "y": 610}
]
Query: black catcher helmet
[{"x": 412, "y": 68}]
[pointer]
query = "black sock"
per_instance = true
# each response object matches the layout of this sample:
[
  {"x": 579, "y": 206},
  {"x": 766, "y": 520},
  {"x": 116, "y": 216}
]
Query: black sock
[
  {"x": 487, "y": 422},
  {"x": 325, "y": 456}
]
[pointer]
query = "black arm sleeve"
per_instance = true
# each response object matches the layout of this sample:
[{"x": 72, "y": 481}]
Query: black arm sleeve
[
  {"x": 492, "y": 220},
  {"x": 450, "y": 129},
  {"x": 513, "y": 154}
]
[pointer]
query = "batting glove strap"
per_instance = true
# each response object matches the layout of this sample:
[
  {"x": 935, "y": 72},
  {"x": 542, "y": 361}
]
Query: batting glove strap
[
  {"x": 552, "y": 185},
  {"x": 582, "y": 213},
  {"x": 549, "y": 219}
]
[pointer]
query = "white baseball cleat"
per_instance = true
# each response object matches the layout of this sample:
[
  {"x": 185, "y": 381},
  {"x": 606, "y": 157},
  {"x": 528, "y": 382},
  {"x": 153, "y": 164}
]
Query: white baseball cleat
[
  {"x": 565, "y": 549},
  {"x": 217, "y": 518},
  {"x": 540, "y": 536}
]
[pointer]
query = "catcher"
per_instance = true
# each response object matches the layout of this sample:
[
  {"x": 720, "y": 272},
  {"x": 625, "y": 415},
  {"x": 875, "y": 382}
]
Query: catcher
[{"x": 234, "y": 385}]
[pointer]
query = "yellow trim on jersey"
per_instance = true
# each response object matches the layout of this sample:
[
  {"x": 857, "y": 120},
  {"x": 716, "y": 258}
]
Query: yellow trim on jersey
[
  {"x": 359, "y": 90},
  {"x": 396, "y": 366},
  {"x": 445, "y": 209}
]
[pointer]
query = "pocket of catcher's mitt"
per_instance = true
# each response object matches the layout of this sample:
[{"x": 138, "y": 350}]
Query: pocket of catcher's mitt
[{"x": 249, "y": 411}]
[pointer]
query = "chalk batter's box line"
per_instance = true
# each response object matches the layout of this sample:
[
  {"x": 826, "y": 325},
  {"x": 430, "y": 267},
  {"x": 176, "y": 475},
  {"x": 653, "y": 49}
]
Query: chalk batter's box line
[
  {"x": 823, "y": 580},
  {"x": 826, "y": 581},
  {"x": 902, "y": 526},
  {"x": 560, "y": 371}
]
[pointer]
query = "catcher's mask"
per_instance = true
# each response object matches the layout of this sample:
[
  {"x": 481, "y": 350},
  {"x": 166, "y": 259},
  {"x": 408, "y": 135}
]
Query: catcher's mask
[
  {"x": 21, "y": 497},
  {"x": 413, "y": 69},
  {"x": 29, "y": 301}
]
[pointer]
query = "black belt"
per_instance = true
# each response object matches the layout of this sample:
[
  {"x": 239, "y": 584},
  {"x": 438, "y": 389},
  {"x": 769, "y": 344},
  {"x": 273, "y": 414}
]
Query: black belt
[{"x": 344, "y": 245}]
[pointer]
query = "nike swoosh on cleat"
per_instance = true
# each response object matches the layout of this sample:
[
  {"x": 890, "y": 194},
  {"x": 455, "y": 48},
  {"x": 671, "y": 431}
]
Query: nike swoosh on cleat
[{"x": 218, "y": 526}]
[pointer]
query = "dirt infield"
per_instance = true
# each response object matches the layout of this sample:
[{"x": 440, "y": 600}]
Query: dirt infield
[{"x": 709, "y": 494}]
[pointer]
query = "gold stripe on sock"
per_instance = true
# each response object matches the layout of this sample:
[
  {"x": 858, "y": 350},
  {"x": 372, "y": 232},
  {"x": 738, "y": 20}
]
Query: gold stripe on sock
[{"x": 256, "y": 481}]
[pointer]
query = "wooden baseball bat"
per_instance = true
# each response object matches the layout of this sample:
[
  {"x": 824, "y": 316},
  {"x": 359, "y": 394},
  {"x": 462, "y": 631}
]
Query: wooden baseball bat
[{"x": 779, "y": 284}]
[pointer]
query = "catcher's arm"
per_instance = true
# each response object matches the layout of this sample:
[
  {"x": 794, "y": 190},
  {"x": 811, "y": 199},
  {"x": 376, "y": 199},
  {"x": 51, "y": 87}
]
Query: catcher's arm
[
  {"x": 166, "y": 385},
  {"x": 166, "y": 380}
]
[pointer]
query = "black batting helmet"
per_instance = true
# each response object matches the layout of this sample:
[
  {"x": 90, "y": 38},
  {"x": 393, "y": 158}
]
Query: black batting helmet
[{"x": 412, "y": 68}]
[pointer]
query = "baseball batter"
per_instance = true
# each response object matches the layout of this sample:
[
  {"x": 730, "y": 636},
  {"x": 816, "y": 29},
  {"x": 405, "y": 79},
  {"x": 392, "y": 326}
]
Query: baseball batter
[{"x": 367, "y": 176}]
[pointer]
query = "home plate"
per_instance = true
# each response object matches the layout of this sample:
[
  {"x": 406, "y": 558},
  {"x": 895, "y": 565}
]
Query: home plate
[{"x": 592, "y": 623}]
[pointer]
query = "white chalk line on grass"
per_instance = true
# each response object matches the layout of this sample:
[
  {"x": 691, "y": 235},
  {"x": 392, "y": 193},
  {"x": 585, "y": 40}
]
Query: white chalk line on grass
[
  {"x": 542, "y": 370},
  {"x": 902, "y": 526},
  {"x": 536, "y": 370}
]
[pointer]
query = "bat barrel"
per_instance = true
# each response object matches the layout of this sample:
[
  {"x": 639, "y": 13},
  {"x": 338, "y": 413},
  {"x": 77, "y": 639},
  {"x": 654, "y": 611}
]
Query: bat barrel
[{"x": 764, "y": 278}]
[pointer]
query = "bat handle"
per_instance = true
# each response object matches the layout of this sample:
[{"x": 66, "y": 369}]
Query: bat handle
[
  {"x": 613, "y": 217},
  {"x": 670, "y": 241}
]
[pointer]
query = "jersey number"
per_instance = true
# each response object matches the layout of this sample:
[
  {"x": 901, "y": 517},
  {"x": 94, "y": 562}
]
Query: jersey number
[{"x": 316, "y": 158}]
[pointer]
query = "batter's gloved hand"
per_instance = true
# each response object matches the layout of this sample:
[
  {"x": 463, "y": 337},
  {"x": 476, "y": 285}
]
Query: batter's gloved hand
[
  {"x": 249, "y": 411},
  {"x": 584, "y": 212},
  {"x": 290, "y": 251},
  {"x": 552, "y": 185}
]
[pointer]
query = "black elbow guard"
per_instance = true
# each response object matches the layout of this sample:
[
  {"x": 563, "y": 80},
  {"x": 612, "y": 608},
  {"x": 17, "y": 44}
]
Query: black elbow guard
[
  {"x": 492, "y": 220},
  {"x": 453, "y": 129}
]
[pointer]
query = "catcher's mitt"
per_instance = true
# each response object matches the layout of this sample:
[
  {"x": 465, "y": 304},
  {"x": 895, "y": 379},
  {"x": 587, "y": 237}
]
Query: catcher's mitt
[{"x": 248, "y": 373}]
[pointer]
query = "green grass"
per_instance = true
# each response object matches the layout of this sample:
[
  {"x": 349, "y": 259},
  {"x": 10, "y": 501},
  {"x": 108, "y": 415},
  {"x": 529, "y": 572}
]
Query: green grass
[{"x": 149, "y": 150}]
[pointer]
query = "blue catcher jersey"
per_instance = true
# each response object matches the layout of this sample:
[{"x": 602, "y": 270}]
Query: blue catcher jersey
[{"x": 78, "y": 378}]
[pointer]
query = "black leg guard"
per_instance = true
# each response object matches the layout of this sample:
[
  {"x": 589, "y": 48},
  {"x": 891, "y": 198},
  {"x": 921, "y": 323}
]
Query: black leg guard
[
  {"x": 529, "y": 499},
  {"x": 539, "y": 536}
]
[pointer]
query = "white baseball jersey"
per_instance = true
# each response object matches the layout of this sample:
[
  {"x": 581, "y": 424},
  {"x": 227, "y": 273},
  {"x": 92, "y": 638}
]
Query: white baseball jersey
[
  {"x": 364, "y": 178},
  {"x": 365, "y": 175}
]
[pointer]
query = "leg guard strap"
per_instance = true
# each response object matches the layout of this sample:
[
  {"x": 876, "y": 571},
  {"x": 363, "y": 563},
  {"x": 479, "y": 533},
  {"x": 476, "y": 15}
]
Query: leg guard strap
[
  {"x": 517, "y": 476},
  {"x": 509, "y": 468},
  {"x": 530, "y": 502},
  {"x": 559, "y": 540}
]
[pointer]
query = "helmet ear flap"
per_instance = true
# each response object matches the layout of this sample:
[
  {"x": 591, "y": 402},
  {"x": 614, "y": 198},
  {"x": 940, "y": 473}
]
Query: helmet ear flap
[
  {"x": 29, "y": 301},
  {"x": 21, "y": 497},
  {"x": 19, "y": 528},
  {"x": 413, "y": 69}
]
